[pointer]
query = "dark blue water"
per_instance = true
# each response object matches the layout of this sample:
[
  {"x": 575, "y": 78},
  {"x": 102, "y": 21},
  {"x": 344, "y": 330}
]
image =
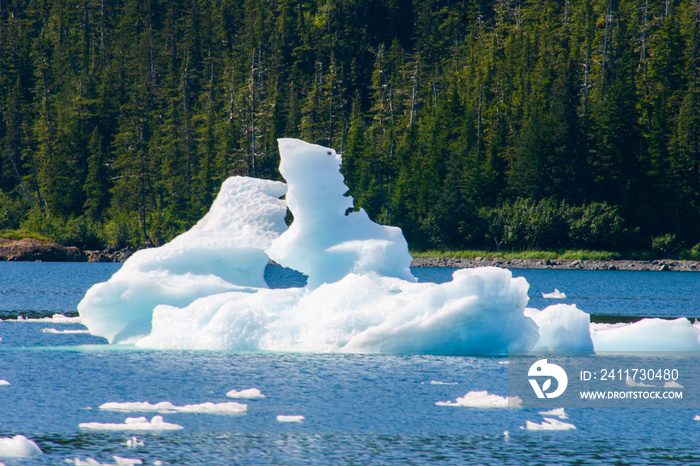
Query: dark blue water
[{"x": 358, "y": 409}]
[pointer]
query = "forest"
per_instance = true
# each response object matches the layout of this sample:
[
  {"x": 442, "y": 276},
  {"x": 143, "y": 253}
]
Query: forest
[{"x": 470, "y": 124}]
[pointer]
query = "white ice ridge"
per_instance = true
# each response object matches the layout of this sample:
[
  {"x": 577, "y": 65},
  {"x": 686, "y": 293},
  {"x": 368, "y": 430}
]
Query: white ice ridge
[
  {"x": 206, "y": 290},
  {"x": 164, "y": 407},
  {"x": 64, "y": 332},
  {"x": 4, "y": 382},
  {"x": 224, "y": 251},
  {"x": 133, "y": 423},
  {"x": 483, "y": 399},
  {"x": 18, "y": 446},
  {"x": 549, "y": 424}
]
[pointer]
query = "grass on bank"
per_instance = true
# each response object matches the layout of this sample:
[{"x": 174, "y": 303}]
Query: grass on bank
[
  {"x": 569, "y": 254},
  {"x": 16, "y": 235}
]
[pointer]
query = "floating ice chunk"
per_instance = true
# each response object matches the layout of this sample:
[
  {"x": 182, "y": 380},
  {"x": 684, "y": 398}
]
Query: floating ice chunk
[
  {"x": 133, "y": 423},
  {"x": 224, "y": 251},
  {"x": 119, "y": 461},
  {"x": 562, "y": 327},
  {"x": 697, "y": 417},
  {"x": 505, "y": 435},
  {"x": 18, "y": 446},
  {"x": 435, "y": 382},
  {"x": 64, "y": 332},
  {"x": 483, "y": 399},
  {"x": 556, "y": 294},
  {"x": 230, "y": 408},
  {"x": 285, "y": 418},
  {"x": 649, "y": 335},
  {"x": 249, "y": 393},
  {"x": 4, "y": 382},
  {"x": 672, "y": 384},
  {"x": 54, "y": 319},
  {"x": 549, "y": 424},
  {"x": 558, "y": 412},
  {"x": 133, "y": 442},
  {"x": 633, "y": 383},
  {"x": 325, "y": 242}
]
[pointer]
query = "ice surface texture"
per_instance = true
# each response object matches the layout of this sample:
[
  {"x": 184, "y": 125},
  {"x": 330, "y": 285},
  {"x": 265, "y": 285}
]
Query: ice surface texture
[{"x": 205, "y": 289}]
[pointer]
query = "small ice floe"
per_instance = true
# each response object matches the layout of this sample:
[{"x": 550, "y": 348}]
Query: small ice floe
[
  {"x": 633, "y": 383},
  {"x": 133, "y": 442},
  {"x": 4, "y": 382},
  {"x": 484, "y": 399},
  {"x": 166, "y": 407},
  {"x": 133, "y": 423},
  {"x": 64, "y": 332},
  {"x": 558, "y": 412},
  {"x": 696, "y": 418},
  {"x": 119, "y": 461},
  {"x": 249, "y": 393},
  {"x": 18, "y": 446},
  {"x": 556, "y": 294},
  {"x": 284, "y": 418},
  {"x": 56, "y": 319},
  {"x": 435, "y": 382},
  {"x": 672, "y": 384},
  {"x": 549, "y": 424}
]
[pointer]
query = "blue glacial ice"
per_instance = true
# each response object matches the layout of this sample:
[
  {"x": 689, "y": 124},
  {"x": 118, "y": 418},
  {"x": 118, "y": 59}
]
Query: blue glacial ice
[{"x": 206, "y": 290}]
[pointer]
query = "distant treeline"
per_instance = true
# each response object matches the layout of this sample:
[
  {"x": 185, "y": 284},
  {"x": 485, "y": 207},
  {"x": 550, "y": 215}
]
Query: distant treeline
[{"x": 470, "y": 124}]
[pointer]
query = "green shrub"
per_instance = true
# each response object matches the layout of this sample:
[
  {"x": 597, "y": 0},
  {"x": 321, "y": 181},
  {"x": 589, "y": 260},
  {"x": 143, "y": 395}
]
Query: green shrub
[
  {"x": 11, "y": 212},
  {"x": 693, "y": 254},
  {"x": 122, "y": 231},
  {"x": 527, "y": 224},
  {"x": 598, "y": 226},
  {"x": 667, "y": 245}
]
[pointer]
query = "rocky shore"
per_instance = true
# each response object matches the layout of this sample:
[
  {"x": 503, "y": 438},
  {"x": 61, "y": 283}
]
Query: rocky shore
[
  {"x": 561, "y": 264},
  {"x": 33, "y": 250}
]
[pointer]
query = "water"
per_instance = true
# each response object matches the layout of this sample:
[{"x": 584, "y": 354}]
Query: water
[{"x": 358, "y": 409}]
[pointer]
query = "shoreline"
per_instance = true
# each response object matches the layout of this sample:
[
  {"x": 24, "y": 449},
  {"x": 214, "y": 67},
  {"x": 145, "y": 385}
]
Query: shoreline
[
  {"x": 31, "y": 250},
  {"x": 659, "y": 265}
]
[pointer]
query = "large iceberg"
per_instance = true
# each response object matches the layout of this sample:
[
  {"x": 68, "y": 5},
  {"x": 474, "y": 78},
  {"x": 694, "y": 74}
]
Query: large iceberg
[{"x": 206, "y": 288}]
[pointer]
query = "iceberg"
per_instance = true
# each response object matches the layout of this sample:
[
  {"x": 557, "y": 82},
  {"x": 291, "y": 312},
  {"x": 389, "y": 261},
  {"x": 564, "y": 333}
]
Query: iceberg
[{"x": 206, "y": 288}]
